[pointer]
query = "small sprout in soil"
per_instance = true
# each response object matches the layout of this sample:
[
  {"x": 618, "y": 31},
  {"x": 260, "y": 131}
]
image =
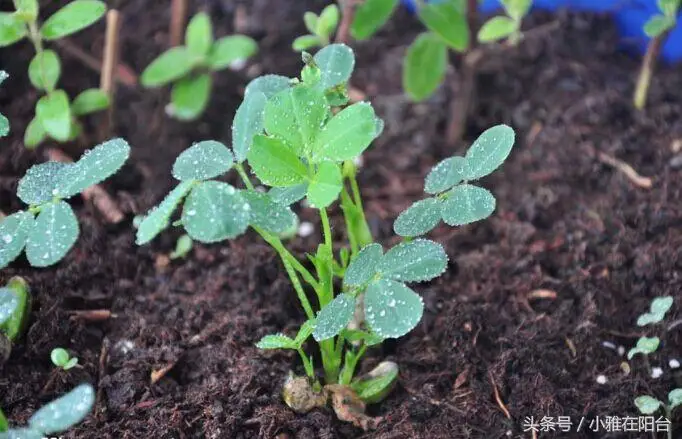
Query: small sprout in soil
[
  {"x": 648, "y": 405},
  {"x": 189, "y": 67},
  {"x": 657, "y": 28},
  {"x": 15, "y": 307},
  {"x": 300, "y": 137},
  {"x": 48, "y": 228},
  {"x": 61, "y": 358},
  {"x": 4, "y": 122},
  {"x": 182, "y": 247},
  {"x": 509, "y": 26},
  {"x": 659, "y": 307},
  {"x": 57, "y": 416},
  {"x": 56, "y": 116},
  {"x": 321, "y": 28},
  {"x": 645, "y": 346}
]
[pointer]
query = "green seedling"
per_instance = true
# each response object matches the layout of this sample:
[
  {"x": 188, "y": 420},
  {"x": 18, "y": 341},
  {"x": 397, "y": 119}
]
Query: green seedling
[
  {"x": 645, "y": 346},
  {"x": 300, "y": 138},
  {"x": 506, "y": 27},
  {"x": 56, "y": 117},
  {"x": 4, "y": 122},
  {"x": 189, "y": 67},
  {"x": 656, "y": 28},
  {"x": 657, "y": 311},
  {"x": 48, "y": 228},
  {"x": 56, "y": 417},
  {"x": 182, "y": 247},
  {"x": 321, "y": 29},
  {"x": 15, "y": 307},
  {"x": 648, "y": 405},
  {"x": 62, "y": 359}
]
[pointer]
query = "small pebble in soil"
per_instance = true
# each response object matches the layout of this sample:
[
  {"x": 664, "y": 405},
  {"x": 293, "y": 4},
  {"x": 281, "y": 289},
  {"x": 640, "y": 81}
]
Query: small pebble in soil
[
  {"x": 674, "y": 364},
  {"x": 608, "y": 345},
  {"x": 305, "y": 229},
  {"x": 601, "y": 379},
  {"x": 656, "y": 372},
  {"x": 676, "y": 162},
  {"x": 124, "y": 346},
  {"x": 621, "y": 350}
]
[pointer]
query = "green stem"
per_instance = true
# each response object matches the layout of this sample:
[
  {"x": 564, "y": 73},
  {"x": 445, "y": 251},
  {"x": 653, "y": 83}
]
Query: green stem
[
  {"x": 350, "y": 364},
  {"x": 647, "y": 70},
  {"x": 326, "y": 229},
  {"x": 36, "y": 39},
  {"x": 307, "y": 365},
  {"x": 244, "y": 176}
]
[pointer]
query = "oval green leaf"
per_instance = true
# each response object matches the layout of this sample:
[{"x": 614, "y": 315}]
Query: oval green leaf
[
  {"x": 215, "y": 211},
  {"x": 247, "y": 123},
  {"x": 203, "y": 161},
  {"x": 169, "y": 66},
  {"x": 364, "y": 266},
  {"x": 4, "y": 126},
  {"x": 276, "y": 341},
  {"x": 675, "y": 398},
  {"x": 645, "y": 346},
  {"x": 447, "y": 21},
  {"x": 65, "y": 412},
  {"x": 12, "y": 29},
  {"x": 275, "y": 163},
  {"x": 420, "y": 218},
  {"x": 414, "y": 261},
  {"x": 426, "y": 50},
  {"x": 73, "y": 17},
  {"x": 14, "y": 231},
  {"x": 190, "y": 96},
  {"x": 267, "y": 214},
  {"x": 334, "y": 317},
  {"x": 8, "y": 304},
  {"x": 199, "y": 34},
  {"x": 496, "y": 29},
  {"x": 325, "y": 185},
  {"x": 35, "y": 134},
  {"x": 336, "y": 63},
  {"x": 347, "y": 134},
  {"x": 661, "y": 305},
  {"x": 158, "y": 218},
  {"x": 489, "y": 151},
  {"x": 54, "y": 113},
  {"x": 269, "y": 85},
  {"x": 305, "y": 42},
  {"x": 54, "y": 233},
  {"x": 328, "y": 20},
  {"x": 445, "y": 175},
  {"x": 44, "y": 70},
  {"x": 288, "y": 195},
  {"x": 647, "y": 405},
  {"x": 231, "y": 50},
  {"x": 370, "y": 16},
  {"x": 392, "y": 309},
  {"x": 517, "y": 9},
  {"x": 39, "y": 184},
  {"x": 90, "y": 101},
  {"x": 466, "y": 204}
]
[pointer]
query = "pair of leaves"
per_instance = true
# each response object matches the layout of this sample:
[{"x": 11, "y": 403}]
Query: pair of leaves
[
  {"x": 320, "y": 27},
  {"x": 281, "y": 341},
  {"x": 661, "y": 23},
  {"x": 51, "y": 235},
  {"x": 657, "y": 311},
  {"x": 498, "y": 28},
  {"x": 645, "y": 346},
  {"x": 57, "y": 416},
  {"x": 649, "y": 405}
]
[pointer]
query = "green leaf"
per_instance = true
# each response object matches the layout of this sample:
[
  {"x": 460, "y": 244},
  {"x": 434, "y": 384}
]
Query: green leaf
[
  {"x": 35, "y": 134},
  {"x": 661, "y": 305},
  {"x": 8, "y": 304},
  {"x": 288, "y": 195},
  {"x": 14, "y": 231},
  {"x": 65, "y": 412},
  {"x": 276, "y": 341},
  {"x": 295, "y": 115},
  {"x": 16, "y": 325},
  {"x": 675, "y": 398},
  {"x": 419, "y": 219},
  {"x": 448, "y": 22},
  {"x": 72, "y": 18},
  {"x": 334, "y": 317},
  {"x": 215, "y": 211},
  {"x": 489, "y": 151},
  {"x": 54, "y": 113},
  {"x": 310, "y": 20},
  {"x": 44, "y": 70},
  {"x": 248, "y": 122},
  {"x": 229, "y": 50},
  {"x": 364, "y": 266},
  {"x": 4, "y": 126},
  {"x": 169, "y": 66},
  {"x": 377, "y": 385},
  {"x": 304, "y": 332},
  {"x": 158, "y": 218},
  {"x": 26, "y": 10},
  {"x": 392, "y": 309},
  {"x": 275, "y": 163},
  {"x": 328, "y": 20},
  {"x": 668, "y": 7},
  {"x": 93, "y": 167},
  {"x": 496, "y": 29},
  {"x": 657, "y": 25},
  {"x": 645, "y": 346},
  {"x": 647, "y": 405},
  {"x": 190, "y": 96},
  {"x": 347, "y": 134},
  {"x": 517, "y": 9},
  {"x": 266, "y": 214},
  {"x": 445, "y": 175},
  {"x": 426, "y": 50},
  {"x": 336, "y": 63},
  {"x": 414, "y": 261},
  {"x": 183, "y": 246},
  {"x": 368, "y": 338},
  {"x": 370, "y": 17},
  {"x": 466, "y": 204},
  {"x": 269, "y": 85},
  {"x": 90, "y": 101},
  {"x": 203, "y": 161},
  {"x": 39, "y": 184},
  {"x": 199, "y": 34},
  {"x": 12, "y": 29},
  {"x": 59, "y": 357},
  {"x": 54, "y": 233},
  {"x": 305, "y": 42},
  {"x": 325, "y": 185}
]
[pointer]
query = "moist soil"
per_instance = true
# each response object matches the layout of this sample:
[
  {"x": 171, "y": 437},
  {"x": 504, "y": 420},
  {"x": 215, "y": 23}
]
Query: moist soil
[{"x": 574, "y": 252}]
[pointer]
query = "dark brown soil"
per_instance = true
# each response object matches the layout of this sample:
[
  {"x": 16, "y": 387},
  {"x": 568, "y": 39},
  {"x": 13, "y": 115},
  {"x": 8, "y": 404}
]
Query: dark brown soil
[{"x": 565, "y": 223}]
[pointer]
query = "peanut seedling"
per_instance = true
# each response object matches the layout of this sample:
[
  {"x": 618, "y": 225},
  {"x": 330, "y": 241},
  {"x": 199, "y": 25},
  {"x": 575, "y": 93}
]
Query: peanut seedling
[
  {"x": 299, "y": 137},
  {"x": 48, "y": 228},
  {"x": 509, "y": 26},
  {"x": 56, "y": 116},
  {"x": 61, "y": 358},
  {"x": 321, "y": 29},
  {"x": 189, "y": 67}
]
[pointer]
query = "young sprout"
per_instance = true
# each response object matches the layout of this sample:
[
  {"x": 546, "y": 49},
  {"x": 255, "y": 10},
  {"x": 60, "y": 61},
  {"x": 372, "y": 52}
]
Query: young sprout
[
  {"x": 182, "y": 247},
  {"x": 321, "y": 29},
  {"x": 55, "y": 417},
  {"x": 56, "y": 116},
  {"x": 61, "y": 358},
  {"x": 189, "y": 67},
  {"x": 645, "y": 346},
  {"x": 300, "y": 138},
  {"x": 48, "y": 228},
  {"x": 500, "y": 27},
  {"x": 657, "y": 29},
  {"x": 4, "y": 122},
  {"x": 15, "y": 306},
  {"x": 648, "y": 405},
  {"x": 659, "y": 307}
]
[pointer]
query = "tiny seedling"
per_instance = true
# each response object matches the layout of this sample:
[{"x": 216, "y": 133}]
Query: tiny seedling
[
  {"x": 15, "y": 307},
  {"x": 48, "y": 228},
  {"x": 189, "y": 67},
  {"x": 648, "y": 405},
  {"x": 657, "y": 29},
  {"x": 509, "y": 26},
  {"x": 182, "y": 247},
  {"x": 55, "y": 116},
  {"x": 62, "y": 359},
  {"x": 300, "y": 137},
  {"x": 4, "y": 122},
  {"x": 56, "y": 417},
  {"x": 657, "y": 311},
  {"x": 321, "y": 28}
]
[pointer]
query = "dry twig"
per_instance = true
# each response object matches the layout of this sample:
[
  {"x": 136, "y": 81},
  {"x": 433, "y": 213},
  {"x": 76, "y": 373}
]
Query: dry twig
[
  {"x": 124, "y": 74},
  {"x": 177, "y": 24}
]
